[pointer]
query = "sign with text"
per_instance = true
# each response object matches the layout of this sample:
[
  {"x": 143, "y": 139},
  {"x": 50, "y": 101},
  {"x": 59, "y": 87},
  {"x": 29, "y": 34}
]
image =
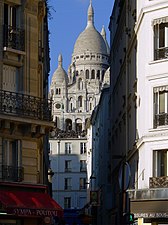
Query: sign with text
[
  {"x": 33, "y": 212},
  {"x": 151, "y": 215}
]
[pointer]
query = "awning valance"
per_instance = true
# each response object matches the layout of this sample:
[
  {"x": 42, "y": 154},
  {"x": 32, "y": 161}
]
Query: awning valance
[
  {"x": 160, "y": 20},
  {"x": 160, "y": 89},
  {"x": 29, "y": 204}
]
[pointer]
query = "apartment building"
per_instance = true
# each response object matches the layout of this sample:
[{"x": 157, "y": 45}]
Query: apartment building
[
  {"x": 139, "y": 111},
  {"x": 25, "y": 114}
]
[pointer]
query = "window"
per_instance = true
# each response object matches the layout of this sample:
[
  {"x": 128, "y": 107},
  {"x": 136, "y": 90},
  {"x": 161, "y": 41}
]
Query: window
[
  {"x": 82, "y": 183},
  {"x": 87, "y": 74},
  {"x": 160, "y": 158},
  {"x": 12, "y": 160},
  {"x": 80, "y": 101},
  {"x": 80, "y": 84},
  {"x": 67, "y": 202},
  {"x": 13, "y": 36},
  {"x": 10, "y": 15},
  {"x": 161, "y": 38},
  {"x": 68, "y": 148},
  {"x": 93, "y": 74},
  {"x": 98, "y": 74},
  {"x": 67, "y": 184},
  {"x": 82, "y": 165},
  {"x": 82, "y": 148},
  {"x": 160, "y": 106},
  {"x": 67, "y": 165}
]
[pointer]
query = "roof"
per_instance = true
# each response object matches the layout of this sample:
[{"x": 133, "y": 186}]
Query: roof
[{"x": 90, "y": 39}]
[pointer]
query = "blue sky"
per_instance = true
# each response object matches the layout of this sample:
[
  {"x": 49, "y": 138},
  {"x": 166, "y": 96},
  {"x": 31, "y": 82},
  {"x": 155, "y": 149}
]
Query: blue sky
[{"x": 68, "y": 20}]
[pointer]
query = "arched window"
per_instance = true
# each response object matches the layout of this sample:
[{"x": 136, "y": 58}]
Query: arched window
[
  {"x": 90, "y": 104},
  {"x": 78, "y": 125},
  {"x": 68, "y": 123},
  {"x": 87, "y": 74},
  {"x": 80, "y": 84},
  {"x": 93, "y": 74},
  {"x": 59, "y": 91},
  {"x": 80, "y": 101},
  {"x": 71, "y": 104},
  {"x": 56, "y": 91},
  {"x": 103, "y": 72},
  {"x": 98, "y": 74}
]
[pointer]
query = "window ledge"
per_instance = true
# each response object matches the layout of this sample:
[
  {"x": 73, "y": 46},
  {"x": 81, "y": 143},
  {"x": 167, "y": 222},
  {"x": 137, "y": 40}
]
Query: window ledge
[
  {"x": 160, "y": 128},
  {"x": 158, "y": 61}
]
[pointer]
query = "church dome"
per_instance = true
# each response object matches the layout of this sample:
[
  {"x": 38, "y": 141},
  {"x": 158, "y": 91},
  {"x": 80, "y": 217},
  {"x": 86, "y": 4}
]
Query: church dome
[
  {"x": 60, "y": 75},
  {"x": 90, "y": 39}
]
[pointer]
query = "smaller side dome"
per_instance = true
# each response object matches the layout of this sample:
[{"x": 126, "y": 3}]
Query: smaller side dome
[
  {"x": 60, "y": 75},
  {"x": 103, "y": 33}
]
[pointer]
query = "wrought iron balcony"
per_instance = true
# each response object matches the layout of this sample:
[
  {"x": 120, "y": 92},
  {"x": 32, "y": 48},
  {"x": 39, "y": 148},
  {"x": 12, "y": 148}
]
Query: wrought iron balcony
[
  {"x": 14, "y": 38},
  {"x": 158, "y": 182},
  {"x": 161, "y": 53},
  {"x": 25, "y": 106},
  {"x": 12, "y": 173},
  {"x": 161, "y": 120}
]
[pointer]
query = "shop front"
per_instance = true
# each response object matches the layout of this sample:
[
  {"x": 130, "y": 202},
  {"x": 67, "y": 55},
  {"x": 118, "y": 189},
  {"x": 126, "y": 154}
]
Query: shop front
[
  {"x": 20, "y": 207},
  {"x": 149, "y": 206}
]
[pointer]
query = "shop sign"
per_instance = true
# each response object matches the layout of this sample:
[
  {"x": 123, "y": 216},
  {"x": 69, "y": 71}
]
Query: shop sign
[
  {"x": 151, "y": 215},
  {"x": 33, "y": 212}
]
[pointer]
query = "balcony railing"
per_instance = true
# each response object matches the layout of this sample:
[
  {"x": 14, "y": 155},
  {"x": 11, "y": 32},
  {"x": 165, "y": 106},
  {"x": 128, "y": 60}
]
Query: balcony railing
[
  {"x": 12, "y": 173},
  {"x": 67, "y": 187},
  {"x": 68, "y": 169},
  {"x": 158, "y": 182},
  {"x": 161, "y": 120},
  {"x": 14, "y": 38},
  {"x": 25, "y": 106},
  {"x": 161, "y": 53}
]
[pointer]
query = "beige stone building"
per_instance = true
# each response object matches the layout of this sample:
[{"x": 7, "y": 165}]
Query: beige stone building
[{"x": 25, "y": 114}]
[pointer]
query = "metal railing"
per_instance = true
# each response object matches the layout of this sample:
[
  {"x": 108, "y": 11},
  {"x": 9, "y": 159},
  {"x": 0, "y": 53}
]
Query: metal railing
[
  {"x": 161, "y": 53},
  {"x": 12, "y": 173},
  {"x": 160, "y": 120},
  {"x": 14, "y": 38},
  {"x": 158, "y": 182},
  {"x": 25, "y": 106}
]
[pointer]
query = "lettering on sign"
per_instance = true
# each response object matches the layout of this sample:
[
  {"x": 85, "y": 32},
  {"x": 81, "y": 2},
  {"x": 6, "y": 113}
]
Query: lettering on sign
[
  {"x": 151, "y": 215},
  {"x": 33, "y": 212}
]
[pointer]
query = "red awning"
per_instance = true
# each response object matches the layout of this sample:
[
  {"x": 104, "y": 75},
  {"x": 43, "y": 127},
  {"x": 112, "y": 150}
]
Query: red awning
[{"x": 30, "y": 204}]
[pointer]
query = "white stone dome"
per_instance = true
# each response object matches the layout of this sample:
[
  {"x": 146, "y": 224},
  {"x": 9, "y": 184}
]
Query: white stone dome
[
  {"x": 60, "y": 75},
  {"x": 90, "y": 40}
]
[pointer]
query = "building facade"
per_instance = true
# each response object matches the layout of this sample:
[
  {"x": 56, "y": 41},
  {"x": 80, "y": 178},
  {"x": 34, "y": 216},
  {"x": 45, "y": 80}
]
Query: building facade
[
  {"x": 25, "y": 114},
  {"x": 139, "y": 128},
  {"x": 75, "y": 94}
]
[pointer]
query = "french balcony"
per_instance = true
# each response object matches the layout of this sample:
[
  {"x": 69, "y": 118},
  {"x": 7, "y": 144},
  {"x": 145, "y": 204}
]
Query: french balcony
[
  {"x": 67, "y": 188},
  {"x": 158, "y": 182},
  {"x": 160, "y": 120},
  {"x": 25, "y": 106},
  {"x": 67, "y": 170},
  {"x": 161, "y": 53},
  {"x": 14, "y": 38},
  {"x": 12, "y": 173}
]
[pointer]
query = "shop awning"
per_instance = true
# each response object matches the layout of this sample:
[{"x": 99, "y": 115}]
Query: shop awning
[{"x": 23, "y": 203}]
